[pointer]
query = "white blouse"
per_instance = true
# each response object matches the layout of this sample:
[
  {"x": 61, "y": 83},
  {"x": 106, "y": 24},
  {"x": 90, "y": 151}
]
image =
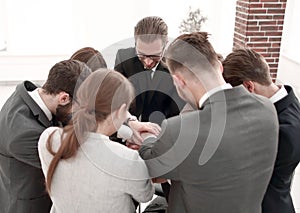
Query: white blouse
[{"x": 104, "y": 176}]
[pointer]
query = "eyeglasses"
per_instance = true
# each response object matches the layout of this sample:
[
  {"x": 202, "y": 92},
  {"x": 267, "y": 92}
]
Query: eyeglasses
[
  {"x": 152, "y": 57},
  {"x": 142, "y": 56}
]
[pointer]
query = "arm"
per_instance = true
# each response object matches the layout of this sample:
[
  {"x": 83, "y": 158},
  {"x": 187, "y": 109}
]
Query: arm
[
  {"x": 24, "y": 147},
  {"x": 140, "y": 187},
  {"x": 138, "y": 127},
  {"x": 160, "y": 154}
]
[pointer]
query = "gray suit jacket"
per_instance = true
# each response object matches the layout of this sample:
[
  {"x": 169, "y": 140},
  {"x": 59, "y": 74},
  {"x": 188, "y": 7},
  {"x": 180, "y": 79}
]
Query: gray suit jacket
[
  {"x": 22, "y": 183},
  {"x": 219, "y": 158}
]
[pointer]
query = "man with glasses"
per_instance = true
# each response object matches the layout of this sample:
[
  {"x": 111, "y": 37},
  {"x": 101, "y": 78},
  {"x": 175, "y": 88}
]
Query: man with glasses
[{"x": 156, "y": 96}]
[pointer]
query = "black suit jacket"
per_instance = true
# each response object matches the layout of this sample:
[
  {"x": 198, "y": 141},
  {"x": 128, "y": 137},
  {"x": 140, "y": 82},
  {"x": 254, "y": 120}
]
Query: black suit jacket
[
  {"x": 22, "y": 183},
  {"x": 156, "y": 98},
  {"x": 277, "y": 198}
]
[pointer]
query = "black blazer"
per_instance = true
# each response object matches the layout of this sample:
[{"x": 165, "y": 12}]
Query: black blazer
[
  {"x": 277, "y": 198},
  {"x": 156, "y": 98},
  {"x": 22, "y": 183}
]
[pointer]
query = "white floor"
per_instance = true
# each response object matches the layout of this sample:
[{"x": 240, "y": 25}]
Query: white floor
[{"x": 7, "y": 89}]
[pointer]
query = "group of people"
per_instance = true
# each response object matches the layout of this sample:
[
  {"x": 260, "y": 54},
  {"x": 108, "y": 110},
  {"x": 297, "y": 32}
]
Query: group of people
[{"x": 218, "y": 134}]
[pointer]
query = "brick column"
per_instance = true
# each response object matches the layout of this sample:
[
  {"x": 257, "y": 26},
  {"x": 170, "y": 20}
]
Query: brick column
[{"x": 258, "y": 25}]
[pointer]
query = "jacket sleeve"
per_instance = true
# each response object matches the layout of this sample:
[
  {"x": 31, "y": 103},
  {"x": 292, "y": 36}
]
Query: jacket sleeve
[
  {"x": 160, "y": 154},
  {"x": 140, "y": 187},
  {"x": 23, "y": 141},
  {"x": 24, "y": 147}
]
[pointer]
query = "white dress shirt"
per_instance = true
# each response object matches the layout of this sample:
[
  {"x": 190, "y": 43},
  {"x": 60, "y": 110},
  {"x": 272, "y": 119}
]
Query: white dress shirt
[
  {"x": 213, "y": 91},
  {"x": 280, "y": 94},
  {"x": 39, "y": 101}
]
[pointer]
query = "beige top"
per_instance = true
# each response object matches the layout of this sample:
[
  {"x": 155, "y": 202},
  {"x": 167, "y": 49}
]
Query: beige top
[{"x": 104, "y": 176}]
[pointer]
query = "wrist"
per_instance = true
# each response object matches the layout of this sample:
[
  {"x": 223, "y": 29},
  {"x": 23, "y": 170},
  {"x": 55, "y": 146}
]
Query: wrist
[{"x": 130, "y": 118}]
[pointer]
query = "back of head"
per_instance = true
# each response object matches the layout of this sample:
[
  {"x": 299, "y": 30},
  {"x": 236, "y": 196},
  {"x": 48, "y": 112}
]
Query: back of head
[
  {"x": 103, "y": 92},
  {"x": 246, "y": 65},
  {"x": 64, "y": 76},
  {"x": 192, "y": 51},
  {"x": 151, "y": 28},
  {"x": 91, "y": 57}
]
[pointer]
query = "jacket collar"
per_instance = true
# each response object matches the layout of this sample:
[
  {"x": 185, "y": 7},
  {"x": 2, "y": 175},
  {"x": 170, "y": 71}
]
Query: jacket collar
[
  {"x": 287, "y": 100},
  {"x": 23, "y": 89}
]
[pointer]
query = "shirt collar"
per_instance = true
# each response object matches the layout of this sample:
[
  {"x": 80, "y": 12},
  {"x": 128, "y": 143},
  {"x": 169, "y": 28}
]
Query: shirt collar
[
  {"x": 280, "y": 94},
  {"x": 153, "y": 69},
  {"x": 39, "y": 101},
  {"x": 213, "y": 91}
]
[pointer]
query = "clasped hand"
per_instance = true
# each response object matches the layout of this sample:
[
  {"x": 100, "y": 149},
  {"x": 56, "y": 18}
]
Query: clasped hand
[{"x": 141, "y": 130}]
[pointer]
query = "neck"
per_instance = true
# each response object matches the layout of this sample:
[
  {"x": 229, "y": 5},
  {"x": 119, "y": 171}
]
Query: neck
[
  {"x": 207, "y": 85},
  {"x": 268, "y": 91},
  {"x": 106, "y": 127},
  {"x": 48, "y": 100}
]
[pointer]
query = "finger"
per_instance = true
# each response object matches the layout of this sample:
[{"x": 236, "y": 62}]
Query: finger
[
  {"x": 155, "y": 128},
  {"x": 137, "y": 138}
]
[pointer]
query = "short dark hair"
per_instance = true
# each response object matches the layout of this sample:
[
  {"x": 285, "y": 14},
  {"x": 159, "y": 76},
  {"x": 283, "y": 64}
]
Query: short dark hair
[
  {"x": 191, "y": 50},
  {"x": 66, "y": 76},
  {"x": 246, "y": 65},
  {"x": 91, "y": 57},
  {"x": 151, "y": 28}
]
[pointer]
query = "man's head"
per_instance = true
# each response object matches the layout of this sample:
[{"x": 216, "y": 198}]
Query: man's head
[
  {"x": 151, "y": 37},
  {"x": 194, "y": 66},
  {"x": 247, "y": 67},
  {"x": 61, "y": 85}
]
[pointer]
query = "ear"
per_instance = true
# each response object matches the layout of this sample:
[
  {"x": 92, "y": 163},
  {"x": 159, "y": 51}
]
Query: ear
[
  {"x": 178, "y": 80},
  {"x": 249, "y": 86},
  {"x": 63, "y": 98},
  {"x": 122, "y": 111},
  {"x": 221, "y": 66}
]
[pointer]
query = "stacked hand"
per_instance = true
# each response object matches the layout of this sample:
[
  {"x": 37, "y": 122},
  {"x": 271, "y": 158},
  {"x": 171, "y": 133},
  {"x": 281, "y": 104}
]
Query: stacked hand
[{"x": 140, "y": 131}]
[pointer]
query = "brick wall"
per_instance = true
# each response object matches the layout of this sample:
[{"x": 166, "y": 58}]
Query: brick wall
[{"x": 258, "y": 25}]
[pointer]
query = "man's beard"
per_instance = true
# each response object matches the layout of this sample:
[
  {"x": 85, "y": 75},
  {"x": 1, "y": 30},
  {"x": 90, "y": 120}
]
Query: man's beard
[{"x": 63, "y": 113}]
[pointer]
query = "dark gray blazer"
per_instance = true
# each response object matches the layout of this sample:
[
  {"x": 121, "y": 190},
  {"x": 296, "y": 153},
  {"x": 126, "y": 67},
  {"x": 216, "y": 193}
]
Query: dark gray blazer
[
  {"x": 278, "y": 198},
  {"x": 152, "y": 95},
  {"x": 22, "y": 183},
  {"x": 219, "y": 158}
]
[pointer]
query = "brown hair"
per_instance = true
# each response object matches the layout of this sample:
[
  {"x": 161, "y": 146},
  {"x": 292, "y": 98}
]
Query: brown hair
[
  {"x": 91, "y": 57},
  {"x": 70, "y": 71},
  {"x": 191, "y": 51},
  {"x": 100, "y": 94},
  {"x": 151, "y": 28},
  {"x": 246, "y": 65}
]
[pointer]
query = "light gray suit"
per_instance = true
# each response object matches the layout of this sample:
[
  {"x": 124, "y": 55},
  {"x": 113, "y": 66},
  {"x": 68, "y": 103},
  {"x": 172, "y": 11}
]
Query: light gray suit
[
  {"x": 220, "y": 158},
  {"x": 22, "y": 183}
]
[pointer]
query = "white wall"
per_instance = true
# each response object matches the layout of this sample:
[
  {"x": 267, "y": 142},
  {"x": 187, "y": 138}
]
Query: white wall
[
  {"x": 289, "y": 62},
  {"x": 36, "y": 29}
]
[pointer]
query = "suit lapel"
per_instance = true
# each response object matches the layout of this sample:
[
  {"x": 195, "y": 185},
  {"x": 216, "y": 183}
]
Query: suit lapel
[
  {"x": 156, "y": 80},
  {"x": 36, "y": 110}
]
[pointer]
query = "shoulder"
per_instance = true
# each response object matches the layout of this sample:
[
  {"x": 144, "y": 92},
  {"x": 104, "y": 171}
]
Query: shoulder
[
  {"x": 124, "y": 151},
  {"x": 127, "y": 52},
  {"x": 56, "y": 137},
  {"x": 44, "y": 155}
]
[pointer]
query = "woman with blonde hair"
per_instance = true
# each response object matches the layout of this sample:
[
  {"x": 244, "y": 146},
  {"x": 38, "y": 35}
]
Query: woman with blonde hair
[{"x": 84, "y": 170}]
